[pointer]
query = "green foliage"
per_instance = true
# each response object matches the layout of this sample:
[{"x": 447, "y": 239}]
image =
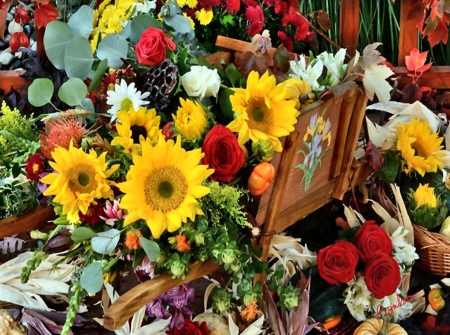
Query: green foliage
[
  {"x": 223, "y": 205},
  {"x": 16, "y": 197},
  {"x": 390, "y": 168},
  {"x": 32, "y": 264}
]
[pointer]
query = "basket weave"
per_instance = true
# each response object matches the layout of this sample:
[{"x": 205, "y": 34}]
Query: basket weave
[{"x": 433, "y": 250}]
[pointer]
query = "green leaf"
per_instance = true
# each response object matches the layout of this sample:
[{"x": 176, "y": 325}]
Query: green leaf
[
  {"x": 151, "y": 248},
  {"x": 390, "y": 168},
  {"x": 73, "y": 91},
  {"x": 98, "y": 75},
  {"x": 87, "y": 105},
  {"x": 113, "y": 48},
  {"x": 40, "y": 92},
  {"x": 78, "y": 58},
  {"x": 348, "y": 234},
  {"x": 82, "y": 234},
  {"x": 82, "y": 21},
  {"x": 281, "y": 59},
  {"x": 16, "y": 170},
  {"x": 179, "y": 23},
  {"x": 233, "y": 74},
  {"x": 141, "y": 23},
  {"x": 92, "y": 278},
  {"x": 225, "y": 103},
  {"x": 58, "y": 36},
  {"x": 106, "y": 241}
]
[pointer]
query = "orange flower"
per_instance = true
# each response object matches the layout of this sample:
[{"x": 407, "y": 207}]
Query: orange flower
[
  {"x": 182, "y": 243},
  {"x": 250, "y": 312},
  {"x": 132, "y": 240}
]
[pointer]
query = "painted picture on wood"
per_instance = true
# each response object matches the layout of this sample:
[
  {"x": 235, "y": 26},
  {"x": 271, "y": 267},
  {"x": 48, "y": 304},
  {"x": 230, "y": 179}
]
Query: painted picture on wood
[{"x": 317, "y": 140}]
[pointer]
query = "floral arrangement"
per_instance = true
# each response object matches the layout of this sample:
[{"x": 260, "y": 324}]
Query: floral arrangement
[{"x": 373, "y": 262}]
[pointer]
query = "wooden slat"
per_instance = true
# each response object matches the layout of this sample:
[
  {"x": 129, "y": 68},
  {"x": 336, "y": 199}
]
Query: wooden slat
[
  {"x": 219, "y": 57},
  {"x": 35, "y": 219},
  {"x": 349, "y": 25},
  {"x": 437, "y": 77},
  {"x": 129, "y": 303},
  {"x": 408, "y": 32},
  {"x": 12, "y": 79}
]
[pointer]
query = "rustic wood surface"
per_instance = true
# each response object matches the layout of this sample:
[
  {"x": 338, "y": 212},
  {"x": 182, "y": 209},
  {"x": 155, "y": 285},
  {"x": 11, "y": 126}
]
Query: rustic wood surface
[
  {"x": 35, "y": 219},
  {"x": 12, "y": 79},
  {"x": 349, "y": 25},
  {"x": 437, "y": 77},
  {"x": 129, "y": 303},
  {"x": 408, "y": 38}
]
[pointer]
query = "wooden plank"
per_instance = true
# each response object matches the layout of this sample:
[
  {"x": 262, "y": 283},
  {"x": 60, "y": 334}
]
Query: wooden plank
[
  {"x": 408, "y": 38},
  {"x": 129, "y": 303},
  {"x": 349, "y": 25},
  {"x": 35, "y": 219},
  {"x": 438, "y": 77},
  {"x": 219, "y": 57},
  {"x": 12, "y": 79}
]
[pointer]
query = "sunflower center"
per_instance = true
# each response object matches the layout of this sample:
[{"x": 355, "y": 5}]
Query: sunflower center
[
  {"x": 81, "y": 178},
  {"x": 165, "y": 188},
  {"x": 419, "y": 148},
  {"x": 126, "y": 104},
  {"x": 259, "y": 115},
  {"x": 136, "y": 132}
]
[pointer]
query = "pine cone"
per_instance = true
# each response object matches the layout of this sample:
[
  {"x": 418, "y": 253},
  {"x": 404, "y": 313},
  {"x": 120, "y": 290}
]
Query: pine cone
[{"x": 161, "y": 81}]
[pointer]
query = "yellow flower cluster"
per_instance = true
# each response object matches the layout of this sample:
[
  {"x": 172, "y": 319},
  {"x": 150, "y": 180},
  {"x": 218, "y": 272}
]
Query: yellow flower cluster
[
  {"x": 204, "y": 17},
  {"x": 109, "y": 19}
]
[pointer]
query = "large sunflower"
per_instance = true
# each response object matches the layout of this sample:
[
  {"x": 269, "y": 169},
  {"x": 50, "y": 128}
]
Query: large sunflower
[
  {"x": 163, "y": 186},
  {"x": 135, "y": 126},
  {"x": 419, "y": 146},
  {"x": 80, "y": 178},
  {"x": 263, "y": 110}
]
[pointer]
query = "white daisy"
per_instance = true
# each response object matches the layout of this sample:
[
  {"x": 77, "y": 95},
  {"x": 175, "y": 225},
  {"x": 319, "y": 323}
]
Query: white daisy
[{"x": 123, "y": 97}]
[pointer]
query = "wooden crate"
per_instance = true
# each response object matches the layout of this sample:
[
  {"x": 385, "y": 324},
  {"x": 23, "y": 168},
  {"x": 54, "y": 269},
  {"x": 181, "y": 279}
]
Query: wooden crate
[{"x": 12, "y": 80}]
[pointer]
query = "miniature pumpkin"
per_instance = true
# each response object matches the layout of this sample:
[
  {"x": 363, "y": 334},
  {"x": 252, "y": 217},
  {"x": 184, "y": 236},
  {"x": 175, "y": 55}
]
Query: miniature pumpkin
[{"x": 374, "y": 326}]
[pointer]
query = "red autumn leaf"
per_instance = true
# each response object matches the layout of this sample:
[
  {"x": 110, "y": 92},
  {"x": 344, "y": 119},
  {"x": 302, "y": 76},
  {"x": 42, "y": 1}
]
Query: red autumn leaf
[
  {"x": 436, "y": 30},
  {"x": 375, "y": 158},
  {"x": 323, "y": 19},
  {"x": 417, "y": 13},
  {"x": 17, "y": 40},
  {"x": 21, "y": 16},
  {"x": 411, "y": 93},
  {"x": 44, "y": 14},
  {"x": 416, "y": 60}
]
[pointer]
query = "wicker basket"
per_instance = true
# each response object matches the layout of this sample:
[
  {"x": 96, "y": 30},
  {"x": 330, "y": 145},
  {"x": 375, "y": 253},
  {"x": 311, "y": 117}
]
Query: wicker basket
[{"x": 433, "y": 250}]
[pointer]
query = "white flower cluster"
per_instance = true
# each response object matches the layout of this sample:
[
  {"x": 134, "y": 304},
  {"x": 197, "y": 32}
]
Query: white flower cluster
[
  {"x": 404, "y": 253},
  {"x": 313, "y": 73},
  {"x": 358, "y": 298}
]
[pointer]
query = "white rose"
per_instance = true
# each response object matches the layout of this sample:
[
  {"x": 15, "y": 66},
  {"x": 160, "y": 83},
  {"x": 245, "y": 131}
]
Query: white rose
[{"x": 201, "y": 82}]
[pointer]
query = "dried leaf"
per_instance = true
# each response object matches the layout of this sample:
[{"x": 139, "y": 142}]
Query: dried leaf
[
  {"x": 343, "y": 87},
  {"x": 411, "y": 93},
  {"x": 274, "y": 318},
  {"x": 374, "y": 81},
  {"x": 323, "y": 19},
  {"x": 371, "y": 56},
  {"x": 281, "y": 59},
  {"x": 375, "y": 157},
  {"x": 254, "y": 62}
]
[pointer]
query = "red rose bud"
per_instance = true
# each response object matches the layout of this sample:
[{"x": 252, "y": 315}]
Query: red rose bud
[
  {"x": 382, "y": 276},
  {"x": 35, "y": 166},
  {"x": 337, "y": 262},
  {"x": 21, "y": 16},
  {"x": 222, "y": 153},
  {"x": 190, "y": 328},
  {"x": 372, "y": 241},
  {"x": 19, "y": 39},
  {"x": 152, "y": 47},
  {"x": 167, "y": 130}
]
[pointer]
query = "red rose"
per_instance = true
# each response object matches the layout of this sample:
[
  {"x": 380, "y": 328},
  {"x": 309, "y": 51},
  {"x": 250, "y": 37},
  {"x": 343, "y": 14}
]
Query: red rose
[
  {"x": 372, "y": 241},
  {"x": 151, "y": 48},
  {"x": 337, "y": 262},
  {"x": 222, "y": 153},
  {"x": 382, "y": 275},
  {"x": 190, "y": 328}
]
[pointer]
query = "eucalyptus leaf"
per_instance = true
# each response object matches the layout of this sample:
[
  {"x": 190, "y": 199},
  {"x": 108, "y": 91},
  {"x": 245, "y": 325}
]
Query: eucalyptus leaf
[
  {"x": 82, "y": 234},
  {"x": 78, "y": 58},
  {"x": 141, "y": 23},
  {"x": 92, "y": 278},
  {"x": 151, "y": 248},
  {"x": 73, "y": 91},
  {"x": 179, "y": 23},
  {"x": 113, "y": 48},
  {"x": 40, "y": 92},
  {"x": 87, "y": 105},
  {"x": 106, "y": 241},
  {"x": 126, "y": 31},
  {"x": 98, "y": 75},
  {"x": 57, "y": 37},
  {"x": 82, "y": 21}
]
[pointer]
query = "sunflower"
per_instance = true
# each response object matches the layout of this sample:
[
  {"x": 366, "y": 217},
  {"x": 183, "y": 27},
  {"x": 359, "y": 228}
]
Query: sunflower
[
  {"x": 191, "y": 119},
  {"x": 136, "y": 126},
  {"x": 80, "y": 178},
  {"x": 163, "y": 186},
  {"x": 419, "y": 146},
  {"x": 262, "y": 110}
]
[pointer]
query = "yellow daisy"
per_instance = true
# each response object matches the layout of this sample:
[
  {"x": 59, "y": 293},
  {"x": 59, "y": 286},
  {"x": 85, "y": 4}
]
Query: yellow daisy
[
  {"x": 191, "y": 119},
  {"x": 135, "y": 127},
  {"x": 80, "y": 178},
  {"x": 204, "y": 16},
  {"x": 424, "y": 195},
  {"x": 262, "y": 111},
  {"x": 163, "y": 186},
  {"x": 419, "y": 146},
  {"x": 191, "y": 3}
]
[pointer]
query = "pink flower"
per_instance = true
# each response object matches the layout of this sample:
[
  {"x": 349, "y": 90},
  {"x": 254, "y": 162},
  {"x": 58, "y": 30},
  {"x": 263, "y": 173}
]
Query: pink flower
[{"x": 113, "y": 213}]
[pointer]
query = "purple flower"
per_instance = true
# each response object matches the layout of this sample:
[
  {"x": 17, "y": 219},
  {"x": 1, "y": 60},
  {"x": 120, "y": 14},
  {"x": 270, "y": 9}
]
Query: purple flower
[
  {"x": 179, "y": 296},
  {"x": 145, "y": 270},
  {"x": 113, "y": 213},
  {"x": 178, "y": 317},
  {"x": 156, "y": 309}
]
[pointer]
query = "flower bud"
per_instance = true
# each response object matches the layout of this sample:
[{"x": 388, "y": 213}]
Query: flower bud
[
  {"x": 178, "y": 269},
  {"x": 199, "y": 239},
  {"x": 37, "y": 235},
  {"x": 104, "y": 263},
  {"x": 250, "y": 297},
  {"x": 161, "y": 258},
  {"x": 263, "y": 150}
]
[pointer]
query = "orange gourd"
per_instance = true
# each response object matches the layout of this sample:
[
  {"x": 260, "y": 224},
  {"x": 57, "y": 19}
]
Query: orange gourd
[
  {"x": 435, "y": 299},
  {"x": 260, "y": 179},
  {"x": 374, "y": 327}
]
